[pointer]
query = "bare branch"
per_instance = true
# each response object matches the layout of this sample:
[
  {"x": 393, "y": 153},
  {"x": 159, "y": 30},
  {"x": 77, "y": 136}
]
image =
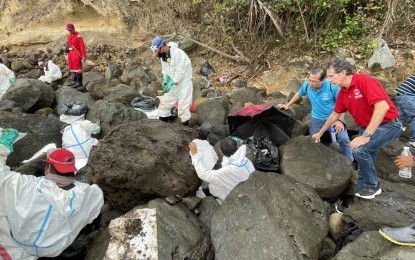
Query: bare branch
[{"x": 273, "y": 17}]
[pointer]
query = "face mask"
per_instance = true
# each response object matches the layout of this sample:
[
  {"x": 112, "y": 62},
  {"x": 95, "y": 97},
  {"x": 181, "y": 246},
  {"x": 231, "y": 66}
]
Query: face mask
[{"x": 163, "y": 56}]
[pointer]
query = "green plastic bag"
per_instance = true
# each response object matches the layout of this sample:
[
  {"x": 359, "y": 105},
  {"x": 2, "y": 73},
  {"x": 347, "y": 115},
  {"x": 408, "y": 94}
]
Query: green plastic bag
[
  {"x": 167, "y": 83},
  {"x": 8, "y": 137}
]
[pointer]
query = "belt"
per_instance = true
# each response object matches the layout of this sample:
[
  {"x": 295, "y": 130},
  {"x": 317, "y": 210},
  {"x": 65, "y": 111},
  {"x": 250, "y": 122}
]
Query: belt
[{"x": 391, "y": 121}]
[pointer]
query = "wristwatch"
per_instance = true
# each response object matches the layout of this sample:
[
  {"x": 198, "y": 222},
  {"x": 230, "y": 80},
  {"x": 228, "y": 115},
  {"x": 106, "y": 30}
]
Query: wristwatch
[{"x": 366, "y": 134}]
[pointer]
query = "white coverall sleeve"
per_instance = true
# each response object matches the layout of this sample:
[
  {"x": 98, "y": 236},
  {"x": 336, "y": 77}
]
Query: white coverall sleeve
[
  {"x": 210, "y": 176},
  {"x": 180, "y": 66},
  {"x": 6, "y": 71}
]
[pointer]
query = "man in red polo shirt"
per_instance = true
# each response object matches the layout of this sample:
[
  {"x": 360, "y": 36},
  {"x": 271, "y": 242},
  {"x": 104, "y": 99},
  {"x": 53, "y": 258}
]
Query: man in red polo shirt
[{"x": 373, "y": 111}]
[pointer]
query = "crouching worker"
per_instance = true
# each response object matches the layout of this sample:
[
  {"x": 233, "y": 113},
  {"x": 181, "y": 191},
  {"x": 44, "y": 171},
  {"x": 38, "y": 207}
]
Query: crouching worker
[
  {"x": 52, "y": 71},
  {"x": 236, "y": 167},
  {"x": 42, "y": 216}
]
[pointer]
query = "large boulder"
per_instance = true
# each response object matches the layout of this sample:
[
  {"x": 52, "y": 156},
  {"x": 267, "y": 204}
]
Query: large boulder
[
  {"x": 41, "y": 130},
  {"x": 211, "y": 111},
  {"x": 135, "y": 71},
  {"x": 68, "y": 95},
  {"x": 382, "y": 56},
  {"x": 269, "y": 216},
  {"x": 324, "y": 169},
  {"x": 122, "y": 93},
  {"x": 30, "y": 94},
  {"x": 393, "y": 207},
  {"x": 142, "y": 160},
  {"x": 112, "y": 114},
  {"x": 159, "y": 231},
  {"x": 245, "y": 95},
  {"x": 371, "y": 245}
]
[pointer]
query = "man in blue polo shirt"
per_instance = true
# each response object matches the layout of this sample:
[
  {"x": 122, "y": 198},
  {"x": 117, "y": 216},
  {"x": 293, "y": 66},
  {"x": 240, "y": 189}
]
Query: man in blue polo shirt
[
  {"x": 322, "y": 95},
  {"x": 405, "y": 97}
]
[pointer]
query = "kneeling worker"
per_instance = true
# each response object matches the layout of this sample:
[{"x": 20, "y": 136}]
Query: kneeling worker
[
  {"x": 42, "y": 216},
  {"x": 236, "y": 168}
]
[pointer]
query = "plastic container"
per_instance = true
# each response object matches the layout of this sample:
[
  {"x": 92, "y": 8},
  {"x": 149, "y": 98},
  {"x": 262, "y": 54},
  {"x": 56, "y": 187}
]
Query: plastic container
[
  {"x": 405, "y": 172},
  {"x": 332, "y": 132}
]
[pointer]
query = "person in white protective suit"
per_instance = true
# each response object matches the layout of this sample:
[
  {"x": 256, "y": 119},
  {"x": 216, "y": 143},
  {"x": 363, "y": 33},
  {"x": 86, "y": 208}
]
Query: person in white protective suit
[
  {"x": 236, "y": 167},
  {"x": 76, "y": 138},
  {"x": 42, "y": 216},
  {"x": 52, "y": 72},
  {"x": 176, "y": 64},
  {"x": 7, "y": 78}
]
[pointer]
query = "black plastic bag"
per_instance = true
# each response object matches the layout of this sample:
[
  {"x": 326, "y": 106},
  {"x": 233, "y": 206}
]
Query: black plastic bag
[
  {"x": 265, "y": 154},
  {"x": 144, "y": 103},
  {"x": 75, "y": 108},
  {"x": 206, "y": 69}
]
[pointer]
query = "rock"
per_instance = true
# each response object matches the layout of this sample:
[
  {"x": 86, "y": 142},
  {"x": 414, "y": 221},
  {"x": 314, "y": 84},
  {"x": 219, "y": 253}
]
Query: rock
[
  {"x": 17, "y": 65},
  {"x": 393, "y": 207},
  {"x": 45, "y": 111},
  {"x": 30, "y": 94},
  {"x": 143, "y": 164},
  {"x": 207, "y": 208},
  {"x": 89, "y": 77},
  {"x": 121, "y": 93},
  {"x": 271, "y": 216},
  {"x": 99, "y": 246},
  {"x": 67, "y": 95},
  {"x": 280, "y": 79},
  {"x": 292, "y": 88},
  {"x": 108, "y": 216},
  {"x": 99, "y": 88},
  {"x": 41, "y": 130},
  {"x": 112, "y": 71},
  {"x": 245, "y": 95},
  {"x": 33, "y": 74},
  {"x": 371, "y": 245},
  {"x": 112, "y": 114},
  {"x": 336, "y": 225},
  {"x": 10, "y": 106},
  {"x": 328, "y": 172},
  {"x": 382, "y": 56},
  {"x": 135, "y": 71},
  {"x": 211, "y": 111}
]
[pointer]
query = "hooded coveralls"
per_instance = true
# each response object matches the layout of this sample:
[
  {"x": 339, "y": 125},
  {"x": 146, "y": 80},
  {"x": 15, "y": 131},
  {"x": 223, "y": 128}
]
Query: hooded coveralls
[
  {"x": 76, "y": 48},
  {"x": 178, "y": 68},
  {"x": 52, "y": 73},
  {"x": 235, "y": 169},
  {"x": 39, "y": 219},
  {"x": 5, "y": 76}
]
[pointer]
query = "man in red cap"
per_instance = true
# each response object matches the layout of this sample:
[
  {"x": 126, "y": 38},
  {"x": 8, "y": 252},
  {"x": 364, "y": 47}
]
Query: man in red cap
[
  {"x": 76, "y": 54},
  {"x": 42, "y": 216}
]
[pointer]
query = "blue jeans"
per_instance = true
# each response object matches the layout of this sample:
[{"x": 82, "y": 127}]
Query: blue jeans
[
  {"x": 342, "y": 137},
  {"x": 365, "y": 155},
  {"x": 406, "y": 107}
]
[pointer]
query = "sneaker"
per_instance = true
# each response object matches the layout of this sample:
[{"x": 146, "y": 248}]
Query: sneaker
[
  {"x": 401, "y": 236},
  {"x": 369, "y": 192},
  {"x": 412, "y": 143}
]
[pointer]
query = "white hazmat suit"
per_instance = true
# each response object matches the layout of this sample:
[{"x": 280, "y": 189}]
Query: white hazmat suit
[
  {"x": 235, "y": 169},
  {"x": 39, "y": 219},
  {"x": 178, "y": 68},
  {"x": 52, "y": 73},
  {"x": 6, "y": 75}
]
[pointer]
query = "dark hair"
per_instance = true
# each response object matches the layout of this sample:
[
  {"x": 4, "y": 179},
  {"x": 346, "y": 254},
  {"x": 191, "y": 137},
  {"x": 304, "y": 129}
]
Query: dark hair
[
  {"x": 338, "y": 65},
  {"x": 318, "y": 70},
  {"x": 54, "y": 171},
  {"x": 228, "y": 146}
]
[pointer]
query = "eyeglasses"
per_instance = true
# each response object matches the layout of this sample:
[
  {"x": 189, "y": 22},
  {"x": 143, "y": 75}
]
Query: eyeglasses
[{"x": 313, "y": 81}]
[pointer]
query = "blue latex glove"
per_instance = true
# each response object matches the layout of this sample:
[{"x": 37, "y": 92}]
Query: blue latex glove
[
  {"x": 167, "y": 83},
  {"x": 8, "y": 137},
  {"x": 12, "y": 80}
]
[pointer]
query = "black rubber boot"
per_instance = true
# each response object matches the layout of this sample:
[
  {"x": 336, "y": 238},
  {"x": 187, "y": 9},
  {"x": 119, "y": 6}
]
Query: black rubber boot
[
  {"x": 164, "y": 119},
  {"x": 79, "y": 80},
  {"x": 73, "y": 77},
  {"x": 404, "y": 236},
  {"x": 186, "y": 123}
]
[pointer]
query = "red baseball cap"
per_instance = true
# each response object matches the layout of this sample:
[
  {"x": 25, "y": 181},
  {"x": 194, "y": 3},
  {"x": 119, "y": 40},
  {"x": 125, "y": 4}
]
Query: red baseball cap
[
  {"x": 70, "y": 27},
  {"x": 62, "y": 159}
]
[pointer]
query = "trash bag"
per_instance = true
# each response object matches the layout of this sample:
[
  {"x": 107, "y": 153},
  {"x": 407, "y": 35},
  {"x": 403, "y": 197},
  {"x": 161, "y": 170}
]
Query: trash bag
[
  {"x": 206, "y": 69},
  {"x": 265, "y": 154},
  {"x": 144, "y": 103},
  {"x": 75, "y": 108},
  {"x": 167, "y": 83}
]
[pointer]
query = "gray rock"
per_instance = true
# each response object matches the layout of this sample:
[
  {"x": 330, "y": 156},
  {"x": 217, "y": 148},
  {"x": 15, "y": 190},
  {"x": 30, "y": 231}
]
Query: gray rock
[
  {"x": 135, "y": 71},
  {"x": 121, "y": 93},
  {"x": 327, "y": 171},
  {"x": 245, "y": 95},
  {"x": 67, "y": 95},
  {"x": 17, "y": 65},
  {"x": 371, "y": 245},
  {"x": 99, "y": 245},
  {"x": 99, "y": 88},
  {"x": 112, "y": 114},
  {"x": 271, "y": 216},
  {"x": 207, "y": 208},
  {"x": 112, "y": 71},
  {"x": 30, "y": 94},
  {"x": 292, "y": 88},
  {"x": 382, "y": 56},
  {"x": 41, "y": 130},
  {"x": 89, "y": 77},
  {"x": 133, "y": 168},
  {"x": 33, "y": 74},
  {"x": 211, "y": 111}
]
